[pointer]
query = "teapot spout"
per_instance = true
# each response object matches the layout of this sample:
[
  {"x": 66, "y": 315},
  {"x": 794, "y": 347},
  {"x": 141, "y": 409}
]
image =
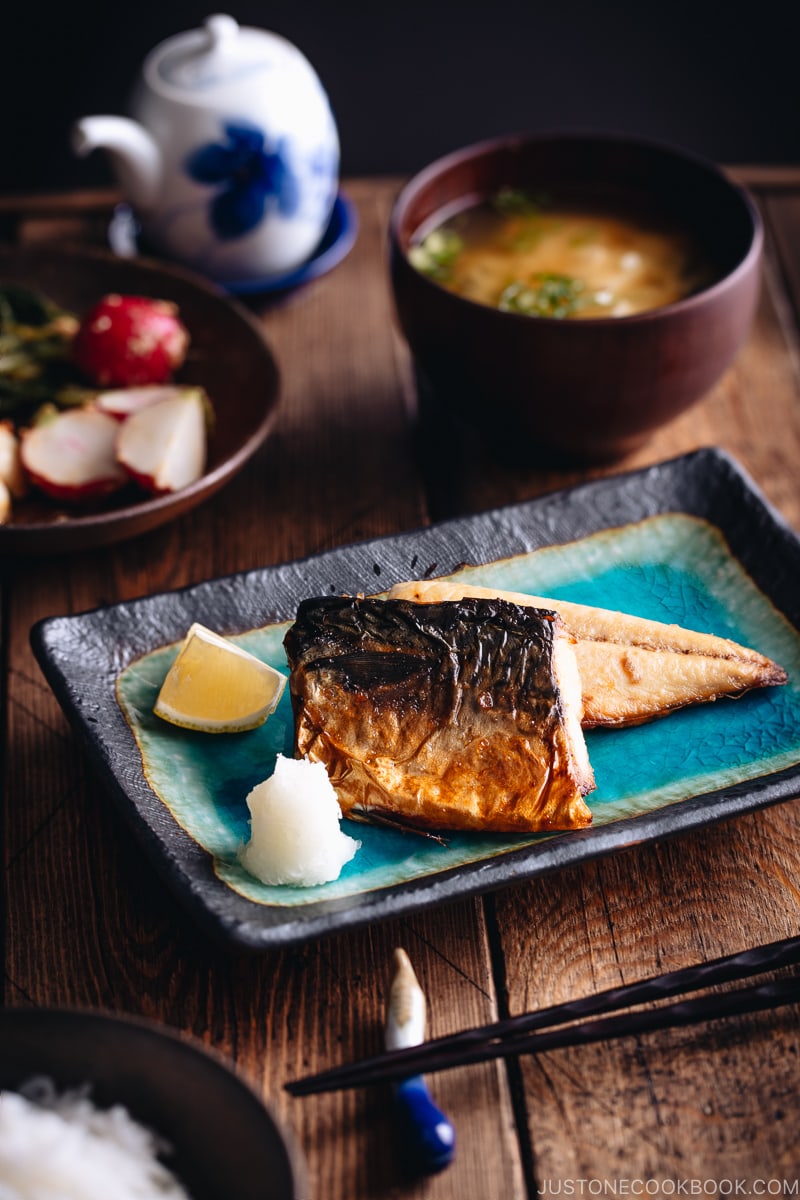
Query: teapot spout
[{"x": 134, "y": 153}]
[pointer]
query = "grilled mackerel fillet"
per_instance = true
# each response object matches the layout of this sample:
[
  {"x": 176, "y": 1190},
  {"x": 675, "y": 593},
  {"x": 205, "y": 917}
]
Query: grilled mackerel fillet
[
  {"x": 631, "y": 669},
  {"x": 456, "y": 715}
]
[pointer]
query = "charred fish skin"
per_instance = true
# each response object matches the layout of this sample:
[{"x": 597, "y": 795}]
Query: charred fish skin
[{"x": 449, "y": 716}]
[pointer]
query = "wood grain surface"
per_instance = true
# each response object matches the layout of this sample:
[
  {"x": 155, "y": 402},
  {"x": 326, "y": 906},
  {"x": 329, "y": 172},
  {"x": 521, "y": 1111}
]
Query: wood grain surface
[{"x": 86, "y": 921}]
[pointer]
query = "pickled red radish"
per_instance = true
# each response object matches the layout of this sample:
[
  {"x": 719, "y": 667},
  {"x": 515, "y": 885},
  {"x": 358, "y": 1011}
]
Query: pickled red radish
[
  {"x": 72, "y": 457},
  {"x": 163, "y": 446}
]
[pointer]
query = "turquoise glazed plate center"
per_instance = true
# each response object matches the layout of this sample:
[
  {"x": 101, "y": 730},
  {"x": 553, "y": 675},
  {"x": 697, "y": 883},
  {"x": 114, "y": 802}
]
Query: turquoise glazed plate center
[{"x": 671, "y": 568}]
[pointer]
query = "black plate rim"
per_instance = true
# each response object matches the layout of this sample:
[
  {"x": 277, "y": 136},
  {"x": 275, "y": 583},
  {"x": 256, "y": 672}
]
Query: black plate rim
[{"x": 707, "y": 483}]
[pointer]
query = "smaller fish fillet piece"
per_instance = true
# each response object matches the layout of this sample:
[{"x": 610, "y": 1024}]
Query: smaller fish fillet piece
[
  {"x": 631, "y": 669},
  {"x": 462, "y": 715}
]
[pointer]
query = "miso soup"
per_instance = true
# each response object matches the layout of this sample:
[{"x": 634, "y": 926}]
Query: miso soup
[{"x": 527, "y": 255}]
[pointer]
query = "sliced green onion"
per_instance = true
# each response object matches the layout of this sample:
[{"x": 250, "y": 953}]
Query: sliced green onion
[
  {"x": 436, "y": 254},
  {"x": 543, "y": 295}
]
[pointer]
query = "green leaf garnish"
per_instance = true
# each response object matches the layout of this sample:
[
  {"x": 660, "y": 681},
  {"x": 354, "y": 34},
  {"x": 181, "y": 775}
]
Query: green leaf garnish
[
  {"x": 543, "y": 295},
  {"x": 511, "y": 200},
  {"x": 436, "y": 253},
  {"x": 35, "y": 341}
]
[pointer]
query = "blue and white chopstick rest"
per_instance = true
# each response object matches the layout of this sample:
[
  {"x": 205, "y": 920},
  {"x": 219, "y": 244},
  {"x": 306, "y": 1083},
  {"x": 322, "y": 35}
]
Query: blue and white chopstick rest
[{"x": 428, "y": 1137}]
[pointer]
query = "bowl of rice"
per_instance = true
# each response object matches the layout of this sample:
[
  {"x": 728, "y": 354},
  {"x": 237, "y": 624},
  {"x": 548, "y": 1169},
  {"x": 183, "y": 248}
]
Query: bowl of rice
[{"x": 94, "y": 1105}]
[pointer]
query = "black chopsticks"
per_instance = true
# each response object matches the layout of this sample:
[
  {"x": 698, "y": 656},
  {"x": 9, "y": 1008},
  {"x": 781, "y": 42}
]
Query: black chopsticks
[{"x": 517, "y": 1035}]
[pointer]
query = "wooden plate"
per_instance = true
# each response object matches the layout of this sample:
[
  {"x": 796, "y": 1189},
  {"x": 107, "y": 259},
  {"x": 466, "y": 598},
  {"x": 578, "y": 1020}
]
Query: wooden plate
[{"x": 228, "y": 357}]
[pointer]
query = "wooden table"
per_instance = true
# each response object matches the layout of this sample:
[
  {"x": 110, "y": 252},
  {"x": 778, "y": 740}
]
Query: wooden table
[{"x": 87, "y": 922}]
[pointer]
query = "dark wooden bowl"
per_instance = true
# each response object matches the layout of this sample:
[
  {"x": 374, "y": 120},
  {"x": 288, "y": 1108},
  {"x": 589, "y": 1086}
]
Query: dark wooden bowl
[
  {"x": 225, "y": 1142},
  {"x": 542, "y": 388},
  {"x": 228, "y": 356}
]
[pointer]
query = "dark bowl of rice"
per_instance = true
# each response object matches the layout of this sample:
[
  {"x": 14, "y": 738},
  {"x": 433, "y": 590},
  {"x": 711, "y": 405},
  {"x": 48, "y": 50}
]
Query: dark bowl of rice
[{"x": 104, "y": 1105}]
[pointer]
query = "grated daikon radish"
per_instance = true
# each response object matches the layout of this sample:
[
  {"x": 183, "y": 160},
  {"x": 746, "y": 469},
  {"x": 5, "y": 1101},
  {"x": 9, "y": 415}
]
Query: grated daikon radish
[{"x": 295, "y": 835}]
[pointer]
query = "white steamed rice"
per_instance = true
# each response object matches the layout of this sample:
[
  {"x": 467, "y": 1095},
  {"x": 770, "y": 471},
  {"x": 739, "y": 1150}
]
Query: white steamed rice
[{"x": 62, "y": 1147}]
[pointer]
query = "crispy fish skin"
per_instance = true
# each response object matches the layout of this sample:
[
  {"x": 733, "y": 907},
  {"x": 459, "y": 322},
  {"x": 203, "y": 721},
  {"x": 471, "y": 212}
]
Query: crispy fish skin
[
  {"x": 631, "y": 669},
  {"x": 463, "y": 715}
]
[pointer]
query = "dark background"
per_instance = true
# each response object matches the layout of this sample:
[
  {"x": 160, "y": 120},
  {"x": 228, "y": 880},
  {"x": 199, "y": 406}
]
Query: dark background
[{"x": 408, "y": 82}]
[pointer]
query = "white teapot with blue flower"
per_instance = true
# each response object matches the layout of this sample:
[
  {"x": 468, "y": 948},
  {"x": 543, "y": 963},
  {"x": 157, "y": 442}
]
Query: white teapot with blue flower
[{"x": 231, "y": 159}]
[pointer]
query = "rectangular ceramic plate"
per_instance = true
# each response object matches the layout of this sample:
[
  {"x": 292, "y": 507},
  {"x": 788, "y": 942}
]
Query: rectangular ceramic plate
[{"x": 689, "y": 541}]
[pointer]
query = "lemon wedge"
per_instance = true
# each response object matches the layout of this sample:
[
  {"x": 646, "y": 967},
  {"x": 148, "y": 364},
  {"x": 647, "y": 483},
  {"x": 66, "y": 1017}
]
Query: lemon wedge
[{"x": 216, "y": 687}]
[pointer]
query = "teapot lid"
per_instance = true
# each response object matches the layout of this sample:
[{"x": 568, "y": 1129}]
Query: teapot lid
[{"x": 214, "y": 56}]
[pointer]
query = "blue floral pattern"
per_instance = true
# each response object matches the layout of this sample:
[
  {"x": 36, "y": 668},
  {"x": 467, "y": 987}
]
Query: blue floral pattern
[{"x": 253, "y": 178}]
